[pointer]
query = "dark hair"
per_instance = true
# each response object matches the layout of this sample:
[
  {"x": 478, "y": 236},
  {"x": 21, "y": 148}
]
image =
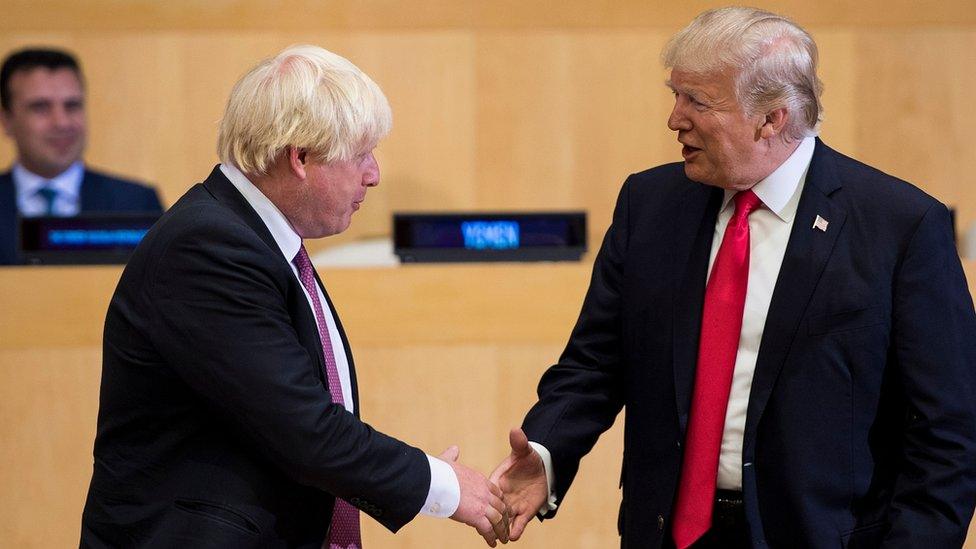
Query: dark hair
[{"x": 32, "y": 58}]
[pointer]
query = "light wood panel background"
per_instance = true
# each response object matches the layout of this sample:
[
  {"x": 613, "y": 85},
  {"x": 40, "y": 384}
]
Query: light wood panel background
[
  {"x": 497, "y": 104},
  {"x": 504, "y": 104},
  {"x": 437, "y": 363}
]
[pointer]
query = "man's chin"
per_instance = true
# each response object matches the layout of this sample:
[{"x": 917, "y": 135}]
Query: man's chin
[
  {"x": 338, "y": 227},
  {"x": 693, "y": 173},
  {"x": 51, "y": 167},
  {"x": 698, "y": 176}
]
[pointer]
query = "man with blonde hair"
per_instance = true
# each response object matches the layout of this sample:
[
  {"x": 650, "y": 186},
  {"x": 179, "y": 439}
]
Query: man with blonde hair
[
  {"x": 229, "y": 415},
  {"x": 790, "y": 330}
]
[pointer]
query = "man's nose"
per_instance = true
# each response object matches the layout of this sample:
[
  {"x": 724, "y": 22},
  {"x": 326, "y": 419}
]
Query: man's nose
[
  {"x": 678, "y": 121},
  {"x": 371, "y": 177},
  {"x": 61, "y": 116}
]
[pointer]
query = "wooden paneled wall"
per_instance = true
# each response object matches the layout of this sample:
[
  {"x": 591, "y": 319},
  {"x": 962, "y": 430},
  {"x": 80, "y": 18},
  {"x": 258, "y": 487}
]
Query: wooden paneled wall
[
  {"x": 438, "y": 364},
  {"x": 444, "y": 355},
  {"x": 512, "y": 104},
  {"x": 504, "y": 104}
]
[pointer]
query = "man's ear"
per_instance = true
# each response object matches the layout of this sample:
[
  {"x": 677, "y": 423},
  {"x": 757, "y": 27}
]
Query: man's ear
[
  {"x": 5, "y": 121},
  {"x": 297, "y": 157},
  {"x": 774, "y": 123}
]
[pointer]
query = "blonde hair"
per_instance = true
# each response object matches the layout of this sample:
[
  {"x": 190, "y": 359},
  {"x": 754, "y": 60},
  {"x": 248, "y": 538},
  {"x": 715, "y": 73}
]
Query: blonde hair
[
  {"x": 772, "y": 59},
  {"x": 305, "y": 97}
]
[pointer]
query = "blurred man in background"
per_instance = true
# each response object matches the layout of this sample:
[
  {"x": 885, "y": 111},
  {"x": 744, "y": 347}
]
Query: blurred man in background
[{"x": 42, "y": 97}]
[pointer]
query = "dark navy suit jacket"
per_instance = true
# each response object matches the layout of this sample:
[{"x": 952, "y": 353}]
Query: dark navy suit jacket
[
  {"x": 861, "y": 426},
  {"x": 99, "y": 193},
  {"x": 215, "y": 423}
]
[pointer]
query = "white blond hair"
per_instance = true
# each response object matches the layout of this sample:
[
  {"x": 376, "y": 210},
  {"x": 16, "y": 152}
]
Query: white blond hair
[
  {"x": 305, "y": 97},
  {"x": 773, "y": 62}
]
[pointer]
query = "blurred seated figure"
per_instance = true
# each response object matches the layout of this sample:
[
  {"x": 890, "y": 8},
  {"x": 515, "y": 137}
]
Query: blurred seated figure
[{"x": 43, "y": 110}]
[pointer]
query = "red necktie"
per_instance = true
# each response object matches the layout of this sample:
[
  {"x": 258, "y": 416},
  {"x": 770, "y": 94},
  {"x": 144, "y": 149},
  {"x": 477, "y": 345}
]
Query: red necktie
[
  {"x": 725, "y": 297},
  {"x": 344, "y": 530}
]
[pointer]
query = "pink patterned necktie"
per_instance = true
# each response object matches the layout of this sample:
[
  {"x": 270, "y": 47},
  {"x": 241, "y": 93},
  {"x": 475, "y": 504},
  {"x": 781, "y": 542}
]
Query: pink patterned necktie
[
  {"x": 344, "y": 530},
  {"x": 725, "y": 297}
]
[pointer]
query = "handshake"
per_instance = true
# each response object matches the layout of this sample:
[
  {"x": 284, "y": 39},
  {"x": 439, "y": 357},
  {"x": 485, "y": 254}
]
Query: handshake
[{"x": 500, "y": 506}]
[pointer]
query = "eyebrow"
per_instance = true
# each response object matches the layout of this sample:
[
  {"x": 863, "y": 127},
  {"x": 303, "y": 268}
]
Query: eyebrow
[
  {"x": 48, "y": 100},
  {"x": 697, "y": 93},
  {"x": 671, "y": 85}
]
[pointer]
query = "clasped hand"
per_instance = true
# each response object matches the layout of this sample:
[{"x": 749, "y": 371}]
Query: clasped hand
[
  {"x": 501, "y": 506},
  {"x": 481, "y": 504}
]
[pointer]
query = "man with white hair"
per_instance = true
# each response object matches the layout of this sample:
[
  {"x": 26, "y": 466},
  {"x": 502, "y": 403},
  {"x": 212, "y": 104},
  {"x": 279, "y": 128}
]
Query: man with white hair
[
  {"x": 789, "y": 329},
  {"x": 229, "y": 415}
]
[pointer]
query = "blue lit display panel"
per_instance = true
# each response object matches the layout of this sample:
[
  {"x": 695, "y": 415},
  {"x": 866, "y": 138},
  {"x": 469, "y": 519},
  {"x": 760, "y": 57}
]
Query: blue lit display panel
[
  {"x": 490, "y": 235},
  {"x": 550, "y": 236},
  {"x": 84, "y": 239}
]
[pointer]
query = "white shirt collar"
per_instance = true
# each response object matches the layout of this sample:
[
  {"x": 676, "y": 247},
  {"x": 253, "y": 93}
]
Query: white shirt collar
[
  {"x": 67, "y": 184},
  {"x": 284, "y": 235},
  {"x": 778, "y": 191}
]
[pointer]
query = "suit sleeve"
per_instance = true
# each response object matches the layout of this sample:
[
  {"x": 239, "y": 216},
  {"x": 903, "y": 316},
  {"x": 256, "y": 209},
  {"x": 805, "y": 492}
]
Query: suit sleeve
[
  {"x": 220, "y": 321},
  {"x": 934, "y": 346},
  {"x": 581, "y": 395}
]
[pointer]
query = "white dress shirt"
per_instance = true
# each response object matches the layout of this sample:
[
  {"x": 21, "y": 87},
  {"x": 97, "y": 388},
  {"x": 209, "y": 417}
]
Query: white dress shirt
[
  {"x": 444, "y": 494},
  {"x": 66, "y": 185},
  {"x": 769, "y": 233}
]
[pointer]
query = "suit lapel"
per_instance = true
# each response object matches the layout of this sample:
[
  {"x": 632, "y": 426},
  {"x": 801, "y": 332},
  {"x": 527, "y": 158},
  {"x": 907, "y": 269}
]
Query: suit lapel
[
  {"x": 8, "y": 196},
  {"x": 694, "y": 228},
  {"x": 345, "y": 346},
  {"x": 227, "y": 194},
  {"x": 93, "y": 194},
  {"x": 8, "y": 220},
  {"x": 224, "y": 191},
  {"x": 806, "y": 256}
]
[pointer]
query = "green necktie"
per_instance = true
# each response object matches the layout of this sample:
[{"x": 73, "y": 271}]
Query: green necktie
[{"x": 48, "y": 194}]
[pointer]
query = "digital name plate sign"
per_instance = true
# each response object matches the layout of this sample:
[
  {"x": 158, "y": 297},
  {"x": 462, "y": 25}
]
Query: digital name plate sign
[
  {"x": 459, "y": 237},
  {"x": 84, "y": 239}
]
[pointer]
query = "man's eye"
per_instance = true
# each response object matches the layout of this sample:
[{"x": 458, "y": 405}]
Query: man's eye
[{"x": 691, "y": 99}]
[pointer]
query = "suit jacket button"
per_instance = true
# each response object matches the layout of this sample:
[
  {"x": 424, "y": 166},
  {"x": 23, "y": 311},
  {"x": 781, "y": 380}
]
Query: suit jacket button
[{"x": 660, "y": 523}]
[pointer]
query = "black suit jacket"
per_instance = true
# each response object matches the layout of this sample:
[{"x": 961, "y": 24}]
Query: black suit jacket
[
  {"x": 99, "y": 193},
  {"x": 860, "y": 426},
  {"x": 215, "y": 426}
]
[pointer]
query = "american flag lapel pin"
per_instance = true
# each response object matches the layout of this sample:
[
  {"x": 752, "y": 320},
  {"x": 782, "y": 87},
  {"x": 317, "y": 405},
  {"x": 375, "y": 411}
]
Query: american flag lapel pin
[{"x": 820, "y": 223}]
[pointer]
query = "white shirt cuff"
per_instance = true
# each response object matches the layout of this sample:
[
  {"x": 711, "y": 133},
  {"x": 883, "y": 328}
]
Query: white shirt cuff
[
  {"x": 547, "y": 462},
  {"x": 445, "y": 491}
]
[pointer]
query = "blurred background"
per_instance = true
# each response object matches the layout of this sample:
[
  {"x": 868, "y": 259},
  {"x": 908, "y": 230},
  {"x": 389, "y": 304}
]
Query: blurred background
[{"x": 498, "y": 105}]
